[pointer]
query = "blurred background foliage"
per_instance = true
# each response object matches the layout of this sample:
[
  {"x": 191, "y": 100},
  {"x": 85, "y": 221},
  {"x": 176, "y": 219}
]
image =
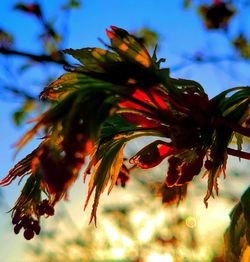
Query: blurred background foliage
[{"x": 133, "y": 226}]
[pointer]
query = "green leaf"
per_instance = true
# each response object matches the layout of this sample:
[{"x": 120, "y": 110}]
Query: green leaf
[
  {"x": 245, "y": 203},
  {"x": 22, "y": 168},
  {"x": 225, "y": 104},
  {"x": 237, "y": 236},
  {"x": 233, "y": 235},
  {"x": 114, "y": 125},
  {"x": 128, "y": 47},
  {"x": 107, "y": 161},
  {"x": 31, "y": 193},
  {"x": 65, "y": 84},
  {"x": 50, "y": 117},
  {"x": 106, "y": 168},
  {"x": 183, "y": 85},
  {"x": 239, "y": 100},
  {"x": 94, "y": 59}
]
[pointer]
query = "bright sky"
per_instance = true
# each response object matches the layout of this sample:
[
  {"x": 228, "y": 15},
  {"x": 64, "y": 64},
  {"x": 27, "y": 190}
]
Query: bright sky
[{"x": 181, "y": 33}]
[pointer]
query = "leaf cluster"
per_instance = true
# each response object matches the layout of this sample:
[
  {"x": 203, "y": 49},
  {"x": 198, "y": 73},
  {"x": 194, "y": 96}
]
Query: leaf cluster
[{"x": 117, "y": 95}]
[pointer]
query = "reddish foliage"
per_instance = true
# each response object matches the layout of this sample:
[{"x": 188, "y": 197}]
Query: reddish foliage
[
  {"x": 172, "y": 195},
  {"x": 123, "y": 176},
  {"x": 152, "y": 155}
]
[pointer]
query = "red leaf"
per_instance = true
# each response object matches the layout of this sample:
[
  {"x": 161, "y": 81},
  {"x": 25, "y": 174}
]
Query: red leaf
[
  {"x": 123, "y": 176},
  {"x": 140, "y": 96},
  {"x": 158, "y": 100},
  {"x": 189, "y": 170},
  {"x": 173, "y": 171},
  {"x": 152, "y": 154},
  {"x": 181, "y": 171},
  {"x": 140, "y": 120},
  {"x": 148, "y": 101},
  {"x": 173, "y": 195},
  {"x": 57, "y": 173}
]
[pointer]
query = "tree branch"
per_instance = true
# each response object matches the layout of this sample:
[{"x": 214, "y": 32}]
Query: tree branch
[
  {"x": 54, "y": 58},
  {"x": 238, "y": 153},
  {"x": 20, "y": 93},
  {"x": 196, "y": 60}
]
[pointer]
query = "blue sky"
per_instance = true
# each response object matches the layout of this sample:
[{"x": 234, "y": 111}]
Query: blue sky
[{"x": 181, "y": 33}]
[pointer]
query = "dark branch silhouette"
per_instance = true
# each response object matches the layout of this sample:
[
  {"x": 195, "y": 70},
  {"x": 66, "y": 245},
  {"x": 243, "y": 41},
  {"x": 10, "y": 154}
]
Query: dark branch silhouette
[{"x": 56, "y": 57}]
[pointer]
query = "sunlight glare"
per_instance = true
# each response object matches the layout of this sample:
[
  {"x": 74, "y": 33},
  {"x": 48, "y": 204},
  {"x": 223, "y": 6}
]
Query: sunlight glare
[
  {"x": 112, "y": 232},
  {"x": 146, "y": 232},
  {"x": 117, "y": 252},
  {"x": 159, "y": 258}
]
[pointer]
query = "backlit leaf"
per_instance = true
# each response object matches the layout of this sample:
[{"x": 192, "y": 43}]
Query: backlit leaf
[
  {"x": 237, "y": 236},
  {"x": 172, "y": 195},
  {"x": 24, "y": 167},
  {"x": 128, "y": 46},
  {"x": 152, "y": 154},
  {"x": 107, "y": 168},
  {"x": 94, "y": 59}
]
